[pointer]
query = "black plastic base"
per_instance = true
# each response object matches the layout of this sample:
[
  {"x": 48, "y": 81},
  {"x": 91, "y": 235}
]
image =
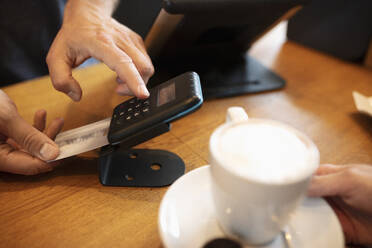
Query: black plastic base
[
  {"x": 139, "y": 167},
  {"x": 222, "y": 77},
  {"x": 121, "y": 166}
]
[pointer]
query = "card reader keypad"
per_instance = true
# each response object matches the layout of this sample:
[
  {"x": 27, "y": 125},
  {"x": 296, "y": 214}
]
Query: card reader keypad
[{"x": 132, "y": 109}]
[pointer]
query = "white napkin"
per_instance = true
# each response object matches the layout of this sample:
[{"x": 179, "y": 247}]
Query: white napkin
[{"x": 363, "y": 103}]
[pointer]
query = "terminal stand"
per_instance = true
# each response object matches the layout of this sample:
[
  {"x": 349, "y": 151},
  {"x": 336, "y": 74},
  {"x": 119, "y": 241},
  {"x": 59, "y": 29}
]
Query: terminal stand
[
  {"x": 121, "y": 166},
  {"x": 223, "y": 76}
]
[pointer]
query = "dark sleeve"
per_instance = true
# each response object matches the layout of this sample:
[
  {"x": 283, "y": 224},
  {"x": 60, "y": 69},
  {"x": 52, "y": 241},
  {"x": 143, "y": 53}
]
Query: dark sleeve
[{"x": 27, "y": 29}]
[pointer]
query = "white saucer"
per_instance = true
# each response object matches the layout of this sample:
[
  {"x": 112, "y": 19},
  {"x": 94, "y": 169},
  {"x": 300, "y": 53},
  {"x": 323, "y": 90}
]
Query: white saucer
[{"x": 186, "y": 218}]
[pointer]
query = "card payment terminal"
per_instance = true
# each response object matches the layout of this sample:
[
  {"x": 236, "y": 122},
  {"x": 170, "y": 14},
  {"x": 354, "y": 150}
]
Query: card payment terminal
[{"x": 167, "y": 102}]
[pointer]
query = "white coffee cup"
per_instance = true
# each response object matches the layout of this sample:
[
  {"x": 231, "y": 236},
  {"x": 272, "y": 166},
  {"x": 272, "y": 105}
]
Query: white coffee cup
[{"x": 260, "y": 172}]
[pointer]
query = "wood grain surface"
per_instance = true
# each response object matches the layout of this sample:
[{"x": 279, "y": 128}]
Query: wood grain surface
[{"x": 69, "y": 208}]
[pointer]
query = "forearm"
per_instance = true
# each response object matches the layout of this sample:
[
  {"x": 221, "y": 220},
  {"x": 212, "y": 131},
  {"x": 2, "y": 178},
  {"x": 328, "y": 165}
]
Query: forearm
[{"x": 99, "y": 9}]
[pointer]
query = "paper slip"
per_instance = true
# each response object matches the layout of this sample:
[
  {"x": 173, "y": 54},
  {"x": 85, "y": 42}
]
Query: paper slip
[
  {"x": 363, "y": 103},
  {"x": 82, "y": 139}
]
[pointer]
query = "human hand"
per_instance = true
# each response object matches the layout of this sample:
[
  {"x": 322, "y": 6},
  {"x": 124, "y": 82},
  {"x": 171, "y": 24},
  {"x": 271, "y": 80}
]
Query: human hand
[
  {"x": 348, "y": 189},
  {"x": 23, "y": 148},
  {"x": 88, "y": 30}
]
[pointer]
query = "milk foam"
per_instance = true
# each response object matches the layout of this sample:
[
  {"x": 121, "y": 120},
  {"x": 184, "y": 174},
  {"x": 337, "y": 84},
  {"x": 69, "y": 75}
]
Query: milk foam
[{"x": 264, "y": 152}]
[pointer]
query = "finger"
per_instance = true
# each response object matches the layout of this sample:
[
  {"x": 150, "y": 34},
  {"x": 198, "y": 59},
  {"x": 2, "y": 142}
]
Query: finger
[
  {"x": 54, "y": 128},
  {"x": 138, "y": 42},
  {"x": 60, "y": 70},
  {"x": 32, "y": 140},
  {"x": 328, "y": 185},
  {"x": 122, "y": 64},
  {"x": 119, "y": 81},
  {"x": 134, "y": 81},
  {"x": 19, "y": 162},
  {"x": 325, "y": 169},
  {"x": 13, "y": 144},
  {"x": 142, "y": 62},
  {"x": 40, "y": 119},
  {"x": 127, "y": 32},
  {"x": 136, "y": 38},
  {"x": 123, "y": 90}
]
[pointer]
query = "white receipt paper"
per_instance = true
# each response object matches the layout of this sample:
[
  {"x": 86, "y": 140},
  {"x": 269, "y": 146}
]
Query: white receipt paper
[
  {"x": 363, "y": 103},
  {"x": 82, "y": 139}
]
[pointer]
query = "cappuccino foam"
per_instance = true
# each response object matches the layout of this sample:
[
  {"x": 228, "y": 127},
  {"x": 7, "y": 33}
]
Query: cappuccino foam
[{"x": 265, "y": 152}]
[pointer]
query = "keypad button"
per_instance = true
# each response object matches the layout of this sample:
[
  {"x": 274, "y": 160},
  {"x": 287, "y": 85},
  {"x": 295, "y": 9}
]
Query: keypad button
[
  {"x": 145, "y": 110},
  {"x": 132, "y": 101},
  {"x": 136, "y": 114},
  {"x": 137, "y": 105},
  {"x": 121, "y": 113},
  {"x": 129, "y": 117},
  {"x": 130, "y": 109},
  {"x": 146, "y": 102}
]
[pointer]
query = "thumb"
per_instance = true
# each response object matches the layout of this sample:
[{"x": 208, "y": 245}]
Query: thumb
[{"x": 31, "y": 139}]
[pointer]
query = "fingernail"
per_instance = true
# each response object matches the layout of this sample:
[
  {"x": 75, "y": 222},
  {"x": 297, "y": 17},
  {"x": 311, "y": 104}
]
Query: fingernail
[
  {"x": 74, "y": 96},
  {"x": 144, "y": 91},
  {"x": 48, "y": 152}
]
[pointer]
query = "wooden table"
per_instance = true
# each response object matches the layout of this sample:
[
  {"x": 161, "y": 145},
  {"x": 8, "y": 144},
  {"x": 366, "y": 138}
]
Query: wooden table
[{"x": 70, "y": 208}]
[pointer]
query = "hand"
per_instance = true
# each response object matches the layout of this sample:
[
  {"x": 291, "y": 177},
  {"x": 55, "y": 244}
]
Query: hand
[
  {"x": 88, "y": 30},
  {"x": 23, "y": 148},
  {"x": 348, "y": 189}
]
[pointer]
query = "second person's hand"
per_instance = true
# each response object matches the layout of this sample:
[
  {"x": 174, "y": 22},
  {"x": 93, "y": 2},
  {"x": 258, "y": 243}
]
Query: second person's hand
[
  {"x": 25, "y": 148},
  {"x": 348, "y": 189}
]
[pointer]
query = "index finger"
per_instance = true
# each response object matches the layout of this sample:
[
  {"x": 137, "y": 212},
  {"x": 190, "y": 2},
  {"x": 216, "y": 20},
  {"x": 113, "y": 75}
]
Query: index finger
[
  {"x": 122, "y": 64},
  {"x": 54, "y": 128},
  {"x": 329, "y": 185},
  {"x": 40, "y": 119},
  {"x": 325, "y": 169}
]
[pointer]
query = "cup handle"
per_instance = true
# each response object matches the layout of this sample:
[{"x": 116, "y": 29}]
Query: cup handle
[{"x": 236, "y": 114}]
